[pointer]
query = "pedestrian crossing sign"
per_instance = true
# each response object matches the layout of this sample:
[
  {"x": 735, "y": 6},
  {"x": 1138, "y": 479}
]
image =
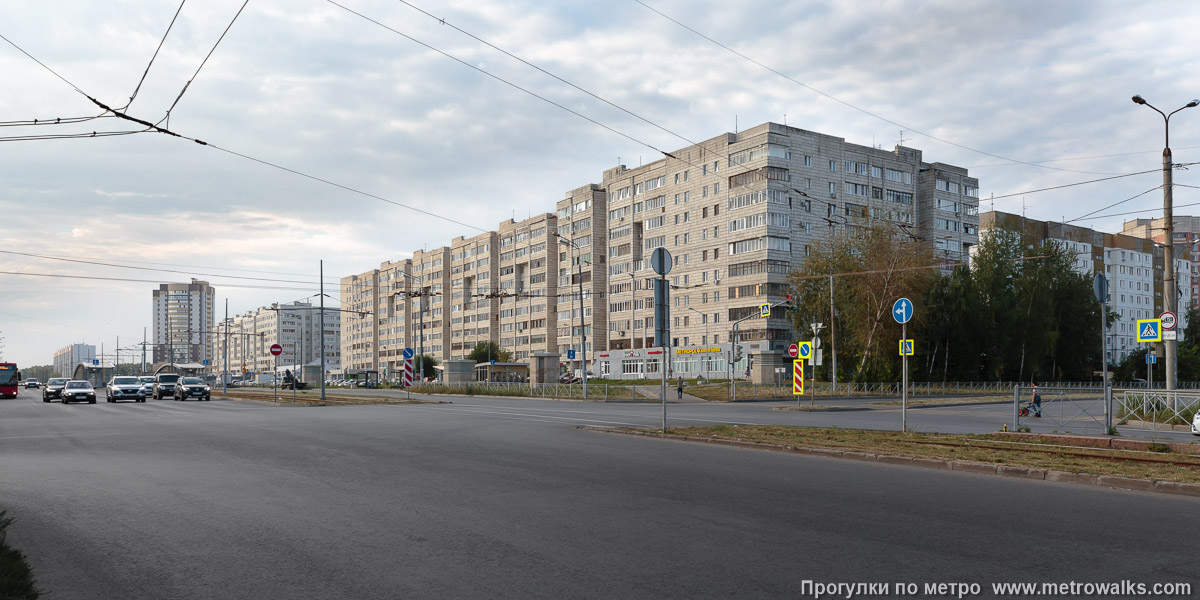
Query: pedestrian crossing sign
[
  {"x": 1149, "y": 330},
  {"x": 906, "y": 347}
]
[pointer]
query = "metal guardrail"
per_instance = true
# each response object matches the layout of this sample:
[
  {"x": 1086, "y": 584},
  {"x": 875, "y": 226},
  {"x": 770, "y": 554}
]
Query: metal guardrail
[{"x": 1156, "y": 409}]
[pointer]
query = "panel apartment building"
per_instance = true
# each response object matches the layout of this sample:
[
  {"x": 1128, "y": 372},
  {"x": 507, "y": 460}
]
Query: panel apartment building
[
  {"x": 1187, "y": 243},
  {"x": 737, "y": 212},
  {"x": 66, "y": 358},
  {"x": 183, "y": 322},
  {"x": 1133, "y": 265},
  {"x": 295, "y": 326}
]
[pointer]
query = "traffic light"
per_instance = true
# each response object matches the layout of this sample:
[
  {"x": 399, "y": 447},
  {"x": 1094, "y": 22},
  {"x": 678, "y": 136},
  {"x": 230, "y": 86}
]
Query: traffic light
[{"x": 737, "y": 352}]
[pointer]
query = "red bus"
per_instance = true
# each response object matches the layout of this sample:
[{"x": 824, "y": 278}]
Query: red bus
[{"x": 10, "y": 378}]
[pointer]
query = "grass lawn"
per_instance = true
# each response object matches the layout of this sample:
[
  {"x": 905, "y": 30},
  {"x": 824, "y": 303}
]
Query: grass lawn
[{"x": 987, "y": 448}]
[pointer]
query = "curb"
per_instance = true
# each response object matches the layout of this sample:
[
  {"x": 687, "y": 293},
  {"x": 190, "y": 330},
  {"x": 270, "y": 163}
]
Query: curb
[{"x": 1105, "y": 481}]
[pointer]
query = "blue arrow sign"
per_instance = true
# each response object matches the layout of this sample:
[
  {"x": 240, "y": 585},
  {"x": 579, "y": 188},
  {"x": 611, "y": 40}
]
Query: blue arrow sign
[
  {"x": 408, "y": 353},
  {"x": 1151, "y": 359},
  {"x": 902, "y": 310},
  {"x": 570, "y": 355}
]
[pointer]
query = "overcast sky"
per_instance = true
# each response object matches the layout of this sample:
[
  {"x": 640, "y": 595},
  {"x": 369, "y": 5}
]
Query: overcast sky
[{"x": 307, "y": 85}]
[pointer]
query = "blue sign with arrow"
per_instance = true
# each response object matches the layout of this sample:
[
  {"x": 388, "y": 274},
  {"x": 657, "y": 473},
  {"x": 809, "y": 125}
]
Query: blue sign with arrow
[
  {"x": 902, "y": 310},
  {"x": 408, "y": 353}
]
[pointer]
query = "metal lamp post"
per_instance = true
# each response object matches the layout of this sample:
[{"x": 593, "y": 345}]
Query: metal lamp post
[
  {"x": 1169, "y": 300},
  {"x": 582, "y": 331}
]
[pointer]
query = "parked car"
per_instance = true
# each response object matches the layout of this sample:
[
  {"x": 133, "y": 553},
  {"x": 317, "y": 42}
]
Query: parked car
[
  {"x": 192, "y": 387},
  {"x": 78, "y": 390},
  {"x": 164, "y": 385},
  {"x": 1196, "y": 424},
  {"x": 53, "y": 389},
  {"x": 32, "y": 382},
  {"x": 122, "y": 388}
]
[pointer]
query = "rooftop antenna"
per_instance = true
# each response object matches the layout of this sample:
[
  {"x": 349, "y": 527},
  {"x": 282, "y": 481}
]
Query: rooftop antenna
[
  {"x": 785, "y": 119},
  {"x": 902, "y": 140}
]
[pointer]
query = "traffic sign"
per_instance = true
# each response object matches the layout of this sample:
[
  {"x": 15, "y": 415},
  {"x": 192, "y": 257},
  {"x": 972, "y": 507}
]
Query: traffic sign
[
  {"x": 906, "y": 347},
  {"x": 817, "y": 357},
  {"x": 276, "y": 349},
  {"x": 95, "y": 361},
  {"x": 793, "y": 351},
  {"x": 1149, "y": 330},
  {"x": 660, "y": 261},
  {"x": 570, "y": 355},
  {"x": 1170, "y": 335},
  {"x": 805, "y": 350},
  {"x": 798, "y": 378},
  {"x": 816, "y": 342},
  {"x": 764, "y": 310},
  {"x": 408, "y": 353},
  {"x": 1168, "y": 320},
  {"x": 902, "y": 310},
  {"x": 1151, "y": 358},
  {"x": 206, "y": 362}
]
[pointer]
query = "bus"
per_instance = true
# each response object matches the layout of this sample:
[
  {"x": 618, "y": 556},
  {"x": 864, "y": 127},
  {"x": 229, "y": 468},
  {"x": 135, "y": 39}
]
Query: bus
[{"x": 10, "y": 378}]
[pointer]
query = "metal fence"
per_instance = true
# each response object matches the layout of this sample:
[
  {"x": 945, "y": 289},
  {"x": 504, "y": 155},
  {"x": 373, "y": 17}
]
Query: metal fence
[
  {"x": 1064, "y": 409},
  {"x": 1155, "y": 409}
]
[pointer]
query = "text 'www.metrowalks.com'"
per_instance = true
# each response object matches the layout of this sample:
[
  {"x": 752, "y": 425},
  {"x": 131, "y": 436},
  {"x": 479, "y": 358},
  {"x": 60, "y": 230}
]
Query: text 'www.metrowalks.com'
[{"x": 1068, "y": 589}]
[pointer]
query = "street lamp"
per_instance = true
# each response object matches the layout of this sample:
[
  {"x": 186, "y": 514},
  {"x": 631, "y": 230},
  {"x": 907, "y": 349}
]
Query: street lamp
[
  {"x": 582, "y": 331},
  {"x": 1169, "y": 299}
]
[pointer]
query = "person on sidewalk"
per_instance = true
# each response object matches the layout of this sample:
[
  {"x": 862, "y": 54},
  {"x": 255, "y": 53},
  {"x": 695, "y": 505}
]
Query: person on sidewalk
[
  {"x": 1037, "y": 401},
  {"x": 679, "y": 388}
]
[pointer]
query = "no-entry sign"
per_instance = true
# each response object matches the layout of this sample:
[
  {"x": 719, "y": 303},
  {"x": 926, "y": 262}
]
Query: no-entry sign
[
  {"x": 276, "y": 349},
  {"x": 793, "y": 351}
]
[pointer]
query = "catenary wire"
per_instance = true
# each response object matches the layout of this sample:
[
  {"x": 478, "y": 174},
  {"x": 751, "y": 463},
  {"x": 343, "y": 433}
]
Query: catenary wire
[
  {"x": 502, "y": 80},
  {"x": 120, "y": 260},
  {"x": 1067, "y": 185},
  {"x": 852, "y": 106},
  {"x": 1115, "y": 204},
  {"x": 107, "y": 264},
  {"x": 167, "y": 117},
  {"x": 68, "y": 136},
  {"x": 96, "y": 278},
  {"x": 155, "y": 55}
]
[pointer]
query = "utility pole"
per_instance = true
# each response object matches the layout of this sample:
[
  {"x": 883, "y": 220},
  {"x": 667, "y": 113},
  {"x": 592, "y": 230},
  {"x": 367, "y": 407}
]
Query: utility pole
[
  {"x": 832, "y": 340},
  {"x": 322, "y": 331},
  {"x": 225, "y": 374},
  {"x": 1169, "y": 298}
]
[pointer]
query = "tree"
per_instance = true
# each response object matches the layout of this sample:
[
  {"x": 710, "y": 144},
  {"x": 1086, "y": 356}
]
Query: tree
[
  {"x": 489, "y": 351},
  {"x": 427, "y": 363},
  {"x": 873, "y": 265}
]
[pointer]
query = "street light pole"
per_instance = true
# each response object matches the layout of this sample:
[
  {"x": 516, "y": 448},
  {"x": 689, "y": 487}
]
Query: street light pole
[
  {"x": 704, "y": 320},
  {"x": 1169, "y": 299},
  {"x": 582, "y": 331}
]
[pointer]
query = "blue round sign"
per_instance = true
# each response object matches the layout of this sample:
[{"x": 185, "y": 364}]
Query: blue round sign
[
  {"x": 902, "y": 310},
  {"x": 408, "y": 353}
]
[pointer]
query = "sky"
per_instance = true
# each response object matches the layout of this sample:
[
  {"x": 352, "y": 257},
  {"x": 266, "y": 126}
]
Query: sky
[{"x": 423, "y": 133}]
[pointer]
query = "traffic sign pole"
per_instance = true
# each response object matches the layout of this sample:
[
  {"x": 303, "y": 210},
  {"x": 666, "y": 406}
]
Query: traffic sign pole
[{"x": 904, "y": 394}]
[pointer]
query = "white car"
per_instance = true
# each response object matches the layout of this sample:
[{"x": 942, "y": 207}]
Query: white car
[
  {"x": 1196, "y": 424},
  {"x": 78, "y": 390},
  {"x": 122, "y": 388},
  {"x": 147, "y": 385}
]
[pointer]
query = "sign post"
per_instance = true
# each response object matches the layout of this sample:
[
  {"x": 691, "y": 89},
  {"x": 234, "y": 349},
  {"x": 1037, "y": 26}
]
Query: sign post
[
  {"x": 276, "y": 350},
  {"x": 661, "y": 263},
  {"x": 902, "y": 311},
  {"x": 1100, "y": 286},
  {"x": 407, "y": 379},
  {"x": 798, "y": 379}
]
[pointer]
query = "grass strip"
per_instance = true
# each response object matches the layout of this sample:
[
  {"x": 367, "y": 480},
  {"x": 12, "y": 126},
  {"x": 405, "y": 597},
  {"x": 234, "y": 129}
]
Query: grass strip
[
  {"x": 968, "y": 448},
  {"x": 16, "y": 578}
]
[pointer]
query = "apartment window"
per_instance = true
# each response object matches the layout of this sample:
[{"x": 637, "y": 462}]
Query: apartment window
[
  {"x": 808, "y": 161},
  {"x": 833, "y": 166}
]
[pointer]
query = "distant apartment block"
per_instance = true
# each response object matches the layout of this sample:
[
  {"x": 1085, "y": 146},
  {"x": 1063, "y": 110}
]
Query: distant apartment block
[
  {"x": 737, "y": 212},
  {"x": 1187, "y": 243},
  {"x": 1133, "y": 265},
  {"x": 65, "y": 359},
  {"x": 294, "y": 326},
  {"x": 183, "y": 319}
]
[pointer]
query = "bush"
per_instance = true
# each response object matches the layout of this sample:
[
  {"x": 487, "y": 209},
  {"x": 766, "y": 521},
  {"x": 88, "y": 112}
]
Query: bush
[{"x": 16, "y": 579}]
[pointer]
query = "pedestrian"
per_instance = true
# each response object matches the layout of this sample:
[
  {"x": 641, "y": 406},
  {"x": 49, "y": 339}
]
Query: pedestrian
[
  {"x": 1037, "y": 401},
  {"x": 679, "y": 388}
]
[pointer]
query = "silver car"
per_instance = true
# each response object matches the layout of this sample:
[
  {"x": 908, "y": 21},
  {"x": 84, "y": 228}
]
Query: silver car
[
  {"x": 1196, "y": 424},
  {"x": 78, "y": 390},
  {"x": 124, "y": 388}
]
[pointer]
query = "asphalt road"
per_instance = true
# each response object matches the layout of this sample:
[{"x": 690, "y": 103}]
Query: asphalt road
[{"x": 489, "y": 498}]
